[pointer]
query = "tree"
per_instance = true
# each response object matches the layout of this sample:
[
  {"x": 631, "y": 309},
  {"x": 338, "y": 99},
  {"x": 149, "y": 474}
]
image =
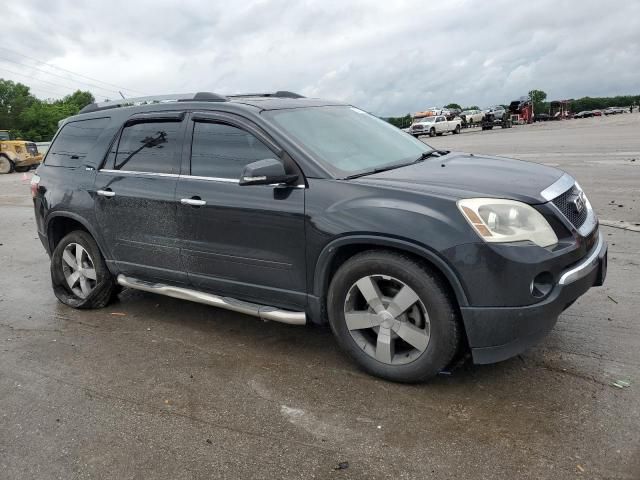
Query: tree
[
  {"x": 452, "y": 106},
  {"x": 537, "y": 99},
  {"x": 27, "y": 117}
]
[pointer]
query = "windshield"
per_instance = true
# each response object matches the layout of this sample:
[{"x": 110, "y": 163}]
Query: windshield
[
  {"x": 346, "y": 140},
  {"x": 424, "y": 120},
  {"x": 4, "y": 136}
]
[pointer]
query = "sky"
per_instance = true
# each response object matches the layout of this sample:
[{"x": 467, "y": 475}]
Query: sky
[{"x": 387, "y": 57}]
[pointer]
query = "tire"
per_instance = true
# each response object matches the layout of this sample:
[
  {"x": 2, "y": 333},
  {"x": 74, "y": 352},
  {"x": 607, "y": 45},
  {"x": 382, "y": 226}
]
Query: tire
[
  {"x": 432, "y": 132},
  {"x": 456, "y": 131},
  {"x": 434, "y": 306},
  {"x": 99, "y": 291},
  {"x": 6, "y": 165}
]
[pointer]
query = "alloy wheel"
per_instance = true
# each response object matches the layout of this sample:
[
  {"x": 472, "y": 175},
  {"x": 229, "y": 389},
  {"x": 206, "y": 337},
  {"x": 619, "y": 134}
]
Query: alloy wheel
[
  {"x": 79, "y": 270},
  {"x": 387, "y": 319}
]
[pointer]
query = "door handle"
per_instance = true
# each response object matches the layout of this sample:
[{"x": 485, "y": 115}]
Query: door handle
[
  {"x": 106, "y": 193},
  {"x": 194, "y": 202}
]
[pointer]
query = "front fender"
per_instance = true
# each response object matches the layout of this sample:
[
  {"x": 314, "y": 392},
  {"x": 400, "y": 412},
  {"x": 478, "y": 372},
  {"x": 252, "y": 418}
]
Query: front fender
[{"x": 321, "y": 273}]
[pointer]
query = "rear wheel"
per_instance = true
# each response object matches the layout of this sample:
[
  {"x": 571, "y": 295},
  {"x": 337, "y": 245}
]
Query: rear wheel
[
  {"x": 6, "y": 165},
  {"x": 394, "y": 316},
  {"x": 457, "y": 130},
  {"x": 79, "y": 274}
]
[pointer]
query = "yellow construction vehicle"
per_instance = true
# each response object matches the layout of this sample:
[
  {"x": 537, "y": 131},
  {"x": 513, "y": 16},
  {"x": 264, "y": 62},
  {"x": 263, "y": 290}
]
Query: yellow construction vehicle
[{"x": 18, "y": 155}]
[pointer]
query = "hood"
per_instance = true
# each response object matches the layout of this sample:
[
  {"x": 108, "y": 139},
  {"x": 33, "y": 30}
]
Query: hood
[{"x": 463, "y": 175}]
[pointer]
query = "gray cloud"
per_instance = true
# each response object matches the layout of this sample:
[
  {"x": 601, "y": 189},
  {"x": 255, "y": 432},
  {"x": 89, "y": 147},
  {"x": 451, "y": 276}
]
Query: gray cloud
[{"x": 389, "y": 58}]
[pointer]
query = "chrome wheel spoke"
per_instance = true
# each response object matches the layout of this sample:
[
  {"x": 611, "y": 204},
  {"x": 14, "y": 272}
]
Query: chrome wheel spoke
[
  {"x": 404, "y": 299},
  {"x": 72, "y": 279},
  {"x": 84, "y": 286},
  {"x": 360, "y": 320},
  {"x": 414, "y": 336},
  {"x": 90, "y": 273},
  {"x": 79, "y": 252},
  {"x": 384, "y": 346},
  {"x": 69, "y": 259},
  {"x": 371, "y": 293}
]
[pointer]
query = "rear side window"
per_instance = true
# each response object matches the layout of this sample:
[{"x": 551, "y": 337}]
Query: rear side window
[
  {"x": 74, "y": 142},
  {"x": 149, "y": 147},
  {"x": 222, "y": 151}
]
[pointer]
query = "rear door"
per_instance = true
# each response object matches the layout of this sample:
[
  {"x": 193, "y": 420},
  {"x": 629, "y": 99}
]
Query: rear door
[
  {"x": 246, "y": 242},
  {"x": 135, "y": 197}
]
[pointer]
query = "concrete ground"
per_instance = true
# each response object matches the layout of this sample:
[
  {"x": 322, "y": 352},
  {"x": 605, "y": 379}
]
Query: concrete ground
[{"x": 156, "y": 388}]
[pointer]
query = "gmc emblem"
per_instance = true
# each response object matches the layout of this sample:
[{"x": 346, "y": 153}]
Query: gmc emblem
[{"x": 578, "y": 202}]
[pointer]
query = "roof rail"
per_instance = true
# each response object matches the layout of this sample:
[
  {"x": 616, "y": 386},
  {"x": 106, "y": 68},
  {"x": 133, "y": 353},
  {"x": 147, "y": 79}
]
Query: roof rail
[
  {"x": 129, "y": 102},
  {"x": 278, "y": 94}
]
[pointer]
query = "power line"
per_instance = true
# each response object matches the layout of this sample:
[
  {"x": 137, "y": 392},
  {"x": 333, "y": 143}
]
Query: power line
[
  {"x": 59, "y": 76},
  {"x": 38, "y": 80},
  {"x": 70, "y": 71}
]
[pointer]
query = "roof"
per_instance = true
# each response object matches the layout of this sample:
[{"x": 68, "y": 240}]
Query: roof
[{"x": 261, "y": 101}]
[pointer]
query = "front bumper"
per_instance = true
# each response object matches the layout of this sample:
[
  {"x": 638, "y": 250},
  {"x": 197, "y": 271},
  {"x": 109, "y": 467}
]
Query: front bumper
[{"x": 498, "y": 333}]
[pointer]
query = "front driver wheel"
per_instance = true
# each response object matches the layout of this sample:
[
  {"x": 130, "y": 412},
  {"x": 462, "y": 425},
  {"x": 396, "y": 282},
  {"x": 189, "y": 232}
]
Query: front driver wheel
[
  {"x": 79, "y": 274},
  {"x": 393, "y": 316}
]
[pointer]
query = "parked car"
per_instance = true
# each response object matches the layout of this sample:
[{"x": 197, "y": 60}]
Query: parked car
[
  {"x": 437, "y": 125},
  {"x": 541, "y": 117},
  {"x": 614, "y": 110},
  {"x": 18, "y": 155},
  {"x": 497, "y": 111},
  {"x": 472, "y": 116},
  {"x": 584, "y": 114},
  {"x": 596, "y": 113},
  {"x": 301, "y": 210}
]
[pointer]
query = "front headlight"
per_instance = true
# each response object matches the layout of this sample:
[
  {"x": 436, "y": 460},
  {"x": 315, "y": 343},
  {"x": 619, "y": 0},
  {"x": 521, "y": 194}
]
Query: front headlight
[{"x": 498, "y": 220}]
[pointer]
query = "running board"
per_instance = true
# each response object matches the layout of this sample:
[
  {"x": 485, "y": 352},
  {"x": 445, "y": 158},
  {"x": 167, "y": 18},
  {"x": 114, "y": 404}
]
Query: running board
[{"x": 260, "y": 311}]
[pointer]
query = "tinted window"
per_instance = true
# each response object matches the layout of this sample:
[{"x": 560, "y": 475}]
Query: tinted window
[
  {"x": 149, "y": 147},
  {"x": 74, "y": 142},
  {"x": 222, "y": 151},
  {"x": 347, "y": 140}
]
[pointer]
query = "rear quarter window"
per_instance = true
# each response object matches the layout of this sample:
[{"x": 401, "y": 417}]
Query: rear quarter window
[{"x": 73, "y": 143}]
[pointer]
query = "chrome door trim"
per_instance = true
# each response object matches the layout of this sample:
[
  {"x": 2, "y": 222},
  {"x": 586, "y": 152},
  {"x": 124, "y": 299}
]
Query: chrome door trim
[{"x": 146, "y": 174}]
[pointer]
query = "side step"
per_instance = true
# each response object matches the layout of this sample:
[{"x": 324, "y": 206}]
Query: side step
[{"x": 260, "y": 311}]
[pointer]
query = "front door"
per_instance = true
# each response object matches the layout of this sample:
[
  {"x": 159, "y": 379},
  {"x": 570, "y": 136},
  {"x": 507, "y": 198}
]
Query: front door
[
  {"x": 246, "y": 242},
  {"x": 135, "y": 198}
]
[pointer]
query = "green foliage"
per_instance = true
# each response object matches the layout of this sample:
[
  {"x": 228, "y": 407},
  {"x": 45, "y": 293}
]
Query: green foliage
[
  {"x": 593, "y": 103},
  {"x": 400, "y": 122},
  {"x": 30, "y": 118},
  {"x": 538, "y": 98},
  {"x": 453, "y": 105},
  {"x": 472, "y": 107}
]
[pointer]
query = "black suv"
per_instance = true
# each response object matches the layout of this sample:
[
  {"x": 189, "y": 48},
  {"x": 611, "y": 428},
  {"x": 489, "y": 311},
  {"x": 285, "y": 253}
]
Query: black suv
[{"x": 294, "y": 210}]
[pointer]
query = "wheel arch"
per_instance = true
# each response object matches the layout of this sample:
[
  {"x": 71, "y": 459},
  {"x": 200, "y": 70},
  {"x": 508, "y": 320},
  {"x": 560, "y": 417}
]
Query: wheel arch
[
  {"x": 341, "y": 249},
  {"x": 60, "y": 224}
]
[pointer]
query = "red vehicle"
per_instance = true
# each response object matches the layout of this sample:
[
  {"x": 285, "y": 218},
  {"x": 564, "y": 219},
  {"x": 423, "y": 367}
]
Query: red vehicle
[
  {"x": 596, "y": 113},
  {"x": 523, "y": 108}
]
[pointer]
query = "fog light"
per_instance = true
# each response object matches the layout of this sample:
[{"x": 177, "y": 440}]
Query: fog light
[{"x": 542, "y": 285}]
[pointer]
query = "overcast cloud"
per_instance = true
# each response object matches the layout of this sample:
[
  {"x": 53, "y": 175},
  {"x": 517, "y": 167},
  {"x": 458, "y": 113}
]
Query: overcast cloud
[{"x": 387, "y": 57}]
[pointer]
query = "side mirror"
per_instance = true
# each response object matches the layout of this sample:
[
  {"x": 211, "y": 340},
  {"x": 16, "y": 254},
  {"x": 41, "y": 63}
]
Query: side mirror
[{"x": 266, "y": 172}]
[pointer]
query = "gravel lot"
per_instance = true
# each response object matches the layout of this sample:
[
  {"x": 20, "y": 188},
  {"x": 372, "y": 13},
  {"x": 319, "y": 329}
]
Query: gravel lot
[{"x": 157, "y": 388}]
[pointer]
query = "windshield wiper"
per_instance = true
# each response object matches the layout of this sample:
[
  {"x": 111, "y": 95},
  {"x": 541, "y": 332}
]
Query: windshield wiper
[{"x": 423, "y": 156}]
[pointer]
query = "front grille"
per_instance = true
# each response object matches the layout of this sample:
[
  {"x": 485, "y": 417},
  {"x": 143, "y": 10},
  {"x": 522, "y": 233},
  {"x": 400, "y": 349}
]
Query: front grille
[
  {"x": 566, "y": 204},
  {"x": 417, "y": 127},
  {"x": 32, "y": 148}
]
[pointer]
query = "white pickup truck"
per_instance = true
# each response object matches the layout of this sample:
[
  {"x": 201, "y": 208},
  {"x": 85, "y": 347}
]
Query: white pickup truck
[{"x": 434, "y": 125}]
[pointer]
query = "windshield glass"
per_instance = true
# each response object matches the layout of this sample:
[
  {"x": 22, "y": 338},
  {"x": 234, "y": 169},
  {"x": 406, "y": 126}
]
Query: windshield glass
[
  {"x": 424, "y": 120},
  {"x": 346, "y": 140},
  {"x": 4, "y": 136}
]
